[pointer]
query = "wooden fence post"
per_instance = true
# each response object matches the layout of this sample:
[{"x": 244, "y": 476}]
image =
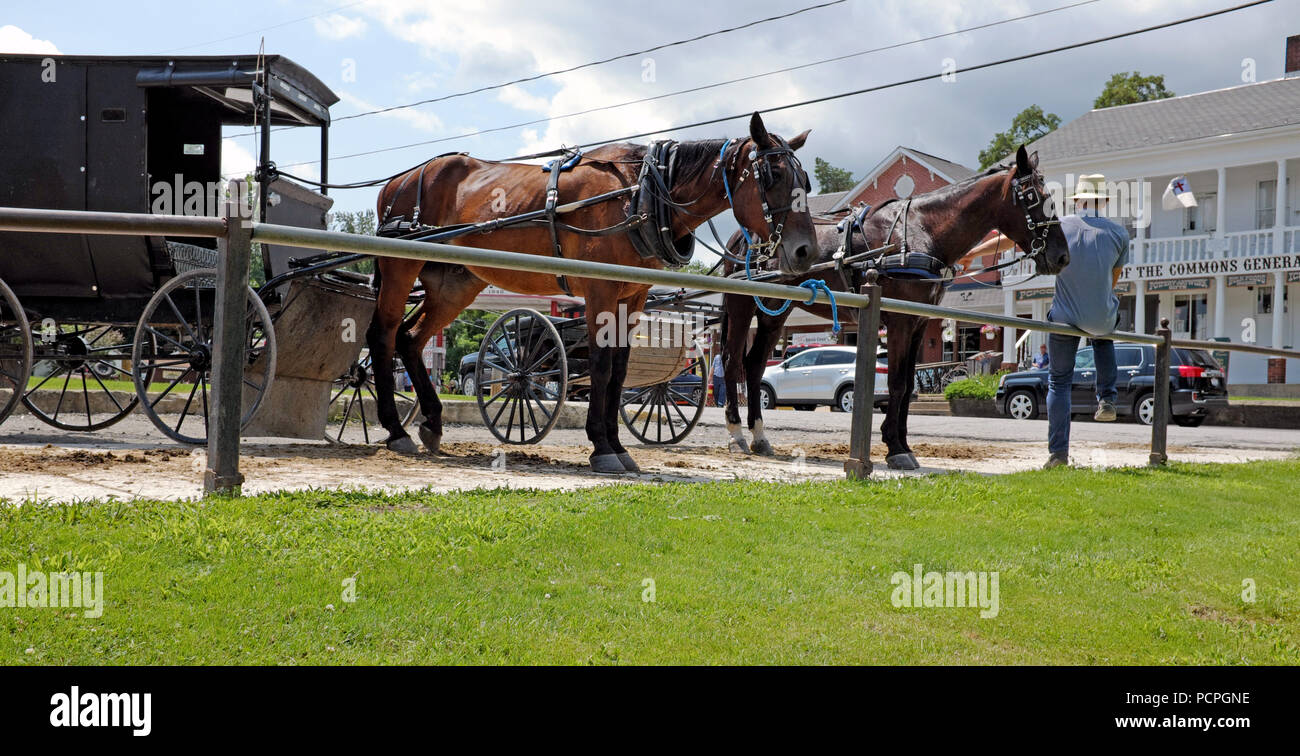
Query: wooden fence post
[
  {"x": 858, "y": 465},
  {"x": 1160, "y": 395},
  {"x": 228, "y": 353}
]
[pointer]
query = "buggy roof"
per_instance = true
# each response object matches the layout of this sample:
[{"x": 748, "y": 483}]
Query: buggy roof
[{"x": 299, "y": 98}]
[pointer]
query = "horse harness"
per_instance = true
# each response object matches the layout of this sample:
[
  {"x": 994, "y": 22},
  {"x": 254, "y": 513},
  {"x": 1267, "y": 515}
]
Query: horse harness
[{"x": 648, "y": 224}]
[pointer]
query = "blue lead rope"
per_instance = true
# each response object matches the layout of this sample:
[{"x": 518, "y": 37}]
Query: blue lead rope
[{"x": 812, "y": 285}]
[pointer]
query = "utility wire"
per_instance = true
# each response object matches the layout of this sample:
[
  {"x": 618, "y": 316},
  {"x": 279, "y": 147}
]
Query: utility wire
[
  {"x": 855, "y": 92},
  {"x": 714, "y": 85},
  {"x": 264, "y": 29},
  {"x": 602, "y": 61}
]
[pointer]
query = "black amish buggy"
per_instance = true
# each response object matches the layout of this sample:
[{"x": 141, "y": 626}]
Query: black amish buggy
[{"x": 92, "y": 326}]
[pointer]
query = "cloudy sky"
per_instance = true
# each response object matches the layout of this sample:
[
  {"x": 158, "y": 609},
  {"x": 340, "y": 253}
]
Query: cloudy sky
[{"x": 377, "y": 53}]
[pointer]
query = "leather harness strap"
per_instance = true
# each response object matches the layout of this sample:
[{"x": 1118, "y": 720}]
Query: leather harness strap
[{"x": 553, "y": 199}]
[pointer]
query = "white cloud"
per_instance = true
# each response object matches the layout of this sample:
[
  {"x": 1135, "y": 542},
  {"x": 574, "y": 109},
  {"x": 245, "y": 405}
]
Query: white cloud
[
  {"x": 15, "y": 40},
  {"x": 470, "y": 45},
  {"x": 422, "y": 120},
  {"x": 338, "y": 26},
  {"x": 236, "y": 161},
  {"x": 516, "y": 97}
]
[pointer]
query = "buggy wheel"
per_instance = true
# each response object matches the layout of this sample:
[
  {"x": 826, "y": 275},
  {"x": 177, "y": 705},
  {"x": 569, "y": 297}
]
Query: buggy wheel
[
  {"x": 667, "y": 412},
  {"x": 15, "y": 351},
  {"x": 521, "y": 378},
  {"x": 75, "y": 366},
  {"x": 171, "y": 359},
  {"x": 354, "y": 401}
]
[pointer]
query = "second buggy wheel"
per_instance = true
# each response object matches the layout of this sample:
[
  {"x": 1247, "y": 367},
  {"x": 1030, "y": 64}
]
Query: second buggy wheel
[
  {"x": 15, "y": 351},
  {"x": 173, "y": 379},
  {"x": 354, "y": 390},
  {"x": 521, "y": 378},
  {"x": 667, "y": 412}
]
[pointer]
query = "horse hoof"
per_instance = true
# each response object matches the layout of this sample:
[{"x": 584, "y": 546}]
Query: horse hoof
[
  {"x": 904, "y": 461},
  {"x": 608, "y": 464},
  {"x": 402, "y": 445},
  {"x": 762, "y": 447},
  {"x": 741, "y": 444},
  {"x": 628, "y": 463},
  {"x": 430, "y": 439}
]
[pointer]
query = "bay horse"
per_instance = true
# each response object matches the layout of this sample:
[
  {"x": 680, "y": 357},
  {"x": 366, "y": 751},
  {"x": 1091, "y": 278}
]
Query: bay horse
[
  {"x": 935, "y": 230},
  {"x": 757, "y": 177}
]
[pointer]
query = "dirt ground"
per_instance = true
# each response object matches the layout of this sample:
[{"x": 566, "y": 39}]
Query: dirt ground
[{"x": 130, "y": 461}]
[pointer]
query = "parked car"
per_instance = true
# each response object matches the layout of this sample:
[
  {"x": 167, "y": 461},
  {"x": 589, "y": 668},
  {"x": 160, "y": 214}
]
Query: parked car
[
  {"x": 1196, "y": 384},
  {"x": 794, "y": 350},
  {"x": 821, "y": 375}
]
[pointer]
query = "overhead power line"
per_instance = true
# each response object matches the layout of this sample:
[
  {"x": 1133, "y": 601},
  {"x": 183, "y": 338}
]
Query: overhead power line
[
  {"x": 263, "y": 29},
  {"x": 602, "y": 61},
  {"x": 751, "y": 77},
  {"x": 856, "y": 92}
]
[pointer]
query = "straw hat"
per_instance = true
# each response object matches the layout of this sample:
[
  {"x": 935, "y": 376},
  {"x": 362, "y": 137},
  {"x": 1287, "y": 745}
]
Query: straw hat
[{"x": 1090, "y": 186}]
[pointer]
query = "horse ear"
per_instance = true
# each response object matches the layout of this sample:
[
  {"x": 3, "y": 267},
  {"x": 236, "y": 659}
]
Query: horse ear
[
  {"x": 1033, "y": 159},
  {"x": 799, "y": 140},
  {"x": 758, "y": 132},
  {"x": 1022, "y": 161}
]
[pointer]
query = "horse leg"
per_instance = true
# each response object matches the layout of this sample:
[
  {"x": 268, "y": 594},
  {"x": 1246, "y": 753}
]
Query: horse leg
[
  {"x": 601, "y": 305},
  {"x": 453, "y": 288},
  {"x": 738, "y": 312},
  {"x": 396, "y": 279},
  {"x": 769, "y": 329},
  {"x": 909, "y": 382},
  {"x": 614, "y": 398},
  {"x": 900, "y": 330}
]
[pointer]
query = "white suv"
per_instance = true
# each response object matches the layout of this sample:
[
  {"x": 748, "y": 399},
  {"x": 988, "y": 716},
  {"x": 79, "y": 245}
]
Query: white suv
[{"x": 819, "y": 376}]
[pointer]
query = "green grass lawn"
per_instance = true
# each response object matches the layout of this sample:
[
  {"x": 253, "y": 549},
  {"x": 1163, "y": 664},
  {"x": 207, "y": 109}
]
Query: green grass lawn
[
  {"x": 1282, "y": 399},
  {"x": 1118, "y": 567}
]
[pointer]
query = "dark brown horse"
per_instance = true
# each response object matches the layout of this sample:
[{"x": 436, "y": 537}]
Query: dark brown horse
[
  {"x": 766, "y": 182},
  {"x": 942, "y": 225}
]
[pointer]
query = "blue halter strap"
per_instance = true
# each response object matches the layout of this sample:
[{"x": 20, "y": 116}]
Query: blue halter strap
[{"x": 813, "y": 286}]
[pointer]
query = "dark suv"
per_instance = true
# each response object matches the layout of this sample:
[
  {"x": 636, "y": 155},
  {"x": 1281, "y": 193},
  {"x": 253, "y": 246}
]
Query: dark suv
[{"x": 1196, "y": 383}]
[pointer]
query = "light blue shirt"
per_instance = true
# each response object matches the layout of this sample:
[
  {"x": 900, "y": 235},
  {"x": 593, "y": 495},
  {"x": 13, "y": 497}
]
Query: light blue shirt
[{"x": 1084, "y": 295}]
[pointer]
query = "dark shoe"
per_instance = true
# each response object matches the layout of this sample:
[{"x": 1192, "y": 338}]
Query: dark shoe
[
  {"x": 1057, "y": 460},
  {"x": 1105, "y": 412}
]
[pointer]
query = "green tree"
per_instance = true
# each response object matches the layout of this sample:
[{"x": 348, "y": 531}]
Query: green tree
[
  {"x": 1128, "y": 88},
  {"x": 359, "y": 222},
  {"x": 465, "y": 334},
  {"x": 831, "y": 179},
  {"x": 1029, "y": 124}
]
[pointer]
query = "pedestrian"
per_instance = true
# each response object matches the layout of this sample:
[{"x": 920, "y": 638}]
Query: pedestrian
[{"x": 1084, "y": 298}]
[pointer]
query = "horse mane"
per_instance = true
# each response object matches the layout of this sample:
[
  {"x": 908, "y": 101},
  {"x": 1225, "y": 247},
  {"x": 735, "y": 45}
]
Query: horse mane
[{"x": 697, "y": 156}]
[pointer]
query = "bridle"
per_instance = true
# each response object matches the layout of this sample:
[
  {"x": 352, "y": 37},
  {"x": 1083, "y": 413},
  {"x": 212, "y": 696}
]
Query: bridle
[
  {"x": 760, "y": 167},
  {"x": 1028, "y": 196}
]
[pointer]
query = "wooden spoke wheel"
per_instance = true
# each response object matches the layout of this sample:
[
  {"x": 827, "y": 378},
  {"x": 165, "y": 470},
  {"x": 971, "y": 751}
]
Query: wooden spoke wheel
[
  {"x": 82, "y": 374},
  {"x": 667, "y": 412},
  {"x": 172, "y": 356},
  {"x": 354, "y": 401},
  {"x": 521, "y": 378},
  {"x": 15, "y": 351}
]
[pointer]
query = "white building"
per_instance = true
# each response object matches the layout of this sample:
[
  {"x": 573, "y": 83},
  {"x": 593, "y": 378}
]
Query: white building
[{"x": 1221, "y": 269}]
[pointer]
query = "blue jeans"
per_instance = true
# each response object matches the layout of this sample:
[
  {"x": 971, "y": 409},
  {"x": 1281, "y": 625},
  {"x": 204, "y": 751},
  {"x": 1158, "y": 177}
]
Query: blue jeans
[
  {"x": 719, "y": 390},
  {"x": 1061, "y": 351}
]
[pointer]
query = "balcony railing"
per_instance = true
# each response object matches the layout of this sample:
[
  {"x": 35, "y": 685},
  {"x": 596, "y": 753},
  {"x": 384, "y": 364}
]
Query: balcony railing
[{"x": 1177, "y": 249}]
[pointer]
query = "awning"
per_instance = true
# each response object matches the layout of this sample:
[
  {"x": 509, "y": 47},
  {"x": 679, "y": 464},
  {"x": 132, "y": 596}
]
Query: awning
[{"x": 981, "y": 298}]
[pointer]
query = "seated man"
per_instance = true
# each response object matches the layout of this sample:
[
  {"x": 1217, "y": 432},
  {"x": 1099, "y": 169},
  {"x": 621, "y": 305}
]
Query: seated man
[
  {"x": 1041, "y": 360},
  {"x": 1085, "y": 298}
]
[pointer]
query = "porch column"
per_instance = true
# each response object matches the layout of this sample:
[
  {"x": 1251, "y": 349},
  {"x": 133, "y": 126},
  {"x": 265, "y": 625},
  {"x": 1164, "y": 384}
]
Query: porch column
[
  {"x": 1139, "y": 306},
  {"x": 1220, "y": 304},
  {"x": 1009, "y": 357},
  {"x": 1279, "y": 212},
  {"x": 1279, "y": 300},
  {"x": 1038, "y": 311},
  {"x": 1143, "y": 220},
  {"x": 1221, "y": 217}
]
